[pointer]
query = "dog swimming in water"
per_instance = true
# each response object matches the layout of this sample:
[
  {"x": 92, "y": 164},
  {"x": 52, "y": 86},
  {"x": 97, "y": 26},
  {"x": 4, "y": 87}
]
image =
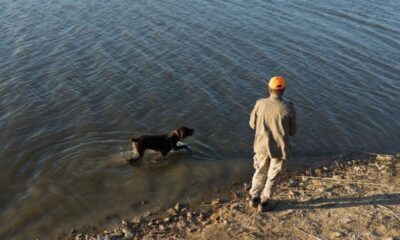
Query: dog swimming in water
[{"x": 163, "y": 143}]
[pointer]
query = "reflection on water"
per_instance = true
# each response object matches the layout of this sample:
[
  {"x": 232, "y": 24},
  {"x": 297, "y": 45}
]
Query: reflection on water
[{"x": 78, "y": 80}]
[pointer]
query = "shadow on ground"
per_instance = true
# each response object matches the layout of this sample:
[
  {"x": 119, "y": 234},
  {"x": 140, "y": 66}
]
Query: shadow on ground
[{"x": 341, "y": 202}]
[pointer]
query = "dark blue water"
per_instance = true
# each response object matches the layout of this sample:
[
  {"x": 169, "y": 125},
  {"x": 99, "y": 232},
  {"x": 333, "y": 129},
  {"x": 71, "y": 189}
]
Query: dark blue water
[{"x": 78, "y": 79}]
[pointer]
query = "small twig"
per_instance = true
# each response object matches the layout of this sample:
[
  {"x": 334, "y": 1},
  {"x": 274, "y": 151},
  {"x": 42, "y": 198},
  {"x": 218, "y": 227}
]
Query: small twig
[
  {"x": 370, "y": 153},
  {"x": 308, "y": 234},
  {"x": 390, "y": 211},
  {"x": 337, "y": 165},
  {"x": 341, "y": 180},
  {"x": 254, "y": 217}
]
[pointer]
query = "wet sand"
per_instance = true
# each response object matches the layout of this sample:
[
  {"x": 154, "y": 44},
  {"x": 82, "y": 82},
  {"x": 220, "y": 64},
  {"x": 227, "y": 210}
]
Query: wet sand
[{"x": 357, "y": 199}]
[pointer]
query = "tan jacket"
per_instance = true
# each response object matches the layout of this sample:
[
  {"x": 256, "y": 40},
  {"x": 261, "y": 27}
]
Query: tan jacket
[{"x": 274, "y": 121}]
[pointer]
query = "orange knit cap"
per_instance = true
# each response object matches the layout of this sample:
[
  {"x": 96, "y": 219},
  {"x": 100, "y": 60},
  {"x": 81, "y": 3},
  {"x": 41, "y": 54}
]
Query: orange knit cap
[{"x": 277, "y": 83}]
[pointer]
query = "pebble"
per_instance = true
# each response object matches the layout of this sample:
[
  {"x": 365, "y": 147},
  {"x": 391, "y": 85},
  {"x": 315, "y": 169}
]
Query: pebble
[
  {"x": 181, "y": 224},
  {"x": 79, "y": 236},
  {"x": 171, "y": 212},
  {"x": 336, "y": 235},
  {"x": 127, "y": 233},
  {"x": 178, "y": 207},
  {"x": 202, "y": 217},
  {"x": 214, "y": 217},
  {"x": 235, "y": 206},
  {"x": 347, "y": 220},
  {"x": 384, "y": 157},
  {"x": 215, "y": 202},
  {"x": 137, "y": 220},
  {"x": 287, "y": 212}
]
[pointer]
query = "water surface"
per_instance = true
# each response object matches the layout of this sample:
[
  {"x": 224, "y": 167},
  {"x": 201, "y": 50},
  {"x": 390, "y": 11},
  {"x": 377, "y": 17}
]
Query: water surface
[{"x": 78, "y": 79}]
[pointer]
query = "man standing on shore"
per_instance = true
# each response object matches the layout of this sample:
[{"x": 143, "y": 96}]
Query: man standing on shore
[{"x": 273, "y": 120}]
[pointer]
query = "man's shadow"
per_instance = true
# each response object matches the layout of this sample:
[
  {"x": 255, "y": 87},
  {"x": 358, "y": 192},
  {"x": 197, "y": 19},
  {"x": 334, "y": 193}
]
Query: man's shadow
[{"x": 340, "y": 202}]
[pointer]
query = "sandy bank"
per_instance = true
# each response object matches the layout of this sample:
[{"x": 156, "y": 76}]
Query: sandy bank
[{"x": 352, "y": 200}]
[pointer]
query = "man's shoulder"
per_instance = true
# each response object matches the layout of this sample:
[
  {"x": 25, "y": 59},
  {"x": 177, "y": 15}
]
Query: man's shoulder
[{"x": 262, "y": 100}]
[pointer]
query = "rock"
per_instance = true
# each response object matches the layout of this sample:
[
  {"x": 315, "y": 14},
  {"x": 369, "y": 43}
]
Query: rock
[
  {"x": 128, "y": 233},
  {"x": 202, "y": 217},
  {"x": 178, "y": 207},
  {"x": 207, "y": 222},
  {"x": 161, "y": 227},
  {"x": 214, "y": 217},
  {"x": 347, "y": 220},
  {"x": 336, "y": 234},
  {"x": 236, "y": 206},
  {"x": 137, "y": 220},
  {"x": 167, "y": 219},
  {"x": 171, "y": 212},
  {"x": 181, "y": 224},
  {"x": 384, "y": 157},
  {"x": 381, "y": 229},
  {"x": 287, "y": 213},
  {"x": 293, "y": 183},
  {"x": 215, "y": 202},
  {"x": 79, "y": 236}
]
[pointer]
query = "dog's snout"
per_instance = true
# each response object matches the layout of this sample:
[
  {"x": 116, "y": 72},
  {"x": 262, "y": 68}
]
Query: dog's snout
[{"x": 191, "y": 131}]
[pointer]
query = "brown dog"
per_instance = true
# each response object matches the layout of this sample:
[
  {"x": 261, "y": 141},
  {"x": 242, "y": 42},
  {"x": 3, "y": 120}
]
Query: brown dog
[{"x": 162, "y": 143}]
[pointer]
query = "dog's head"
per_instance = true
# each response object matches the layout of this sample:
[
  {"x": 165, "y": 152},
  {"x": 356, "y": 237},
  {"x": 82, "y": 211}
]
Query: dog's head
[{"x": 184, "y": 132}]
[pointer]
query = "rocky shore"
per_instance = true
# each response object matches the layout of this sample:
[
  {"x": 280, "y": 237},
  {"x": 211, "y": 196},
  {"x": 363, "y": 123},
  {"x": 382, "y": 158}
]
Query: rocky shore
[{"x": 357, "y": 199}]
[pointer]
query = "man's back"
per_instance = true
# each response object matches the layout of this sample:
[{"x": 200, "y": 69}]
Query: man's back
[{"x": 274, "y": 121}]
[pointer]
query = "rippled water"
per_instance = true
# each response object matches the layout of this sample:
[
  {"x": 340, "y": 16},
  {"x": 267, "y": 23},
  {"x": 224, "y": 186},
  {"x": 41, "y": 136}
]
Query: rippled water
[{"x": 78, "y": 79}]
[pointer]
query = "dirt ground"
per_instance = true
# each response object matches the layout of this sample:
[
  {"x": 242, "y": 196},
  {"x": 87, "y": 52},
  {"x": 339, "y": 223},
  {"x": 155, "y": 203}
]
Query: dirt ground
[{"x": 358, "y": 199}]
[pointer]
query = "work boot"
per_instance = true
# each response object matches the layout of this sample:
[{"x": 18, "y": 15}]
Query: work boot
[
  {"x": 254, "y": 202},
  {"x": 266, "y": 206}
]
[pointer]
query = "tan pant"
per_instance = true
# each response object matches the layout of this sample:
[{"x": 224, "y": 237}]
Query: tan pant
[{"x": 266, "y": 176}]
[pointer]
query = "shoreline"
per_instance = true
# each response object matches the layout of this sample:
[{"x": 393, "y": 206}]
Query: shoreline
[{"x": 357, "y": 199}]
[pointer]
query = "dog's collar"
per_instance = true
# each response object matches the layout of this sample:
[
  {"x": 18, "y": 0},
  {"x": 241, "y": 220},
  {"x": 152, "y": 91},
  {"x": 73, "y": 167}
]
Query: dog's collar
[{"x": 177, "y": 134}]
